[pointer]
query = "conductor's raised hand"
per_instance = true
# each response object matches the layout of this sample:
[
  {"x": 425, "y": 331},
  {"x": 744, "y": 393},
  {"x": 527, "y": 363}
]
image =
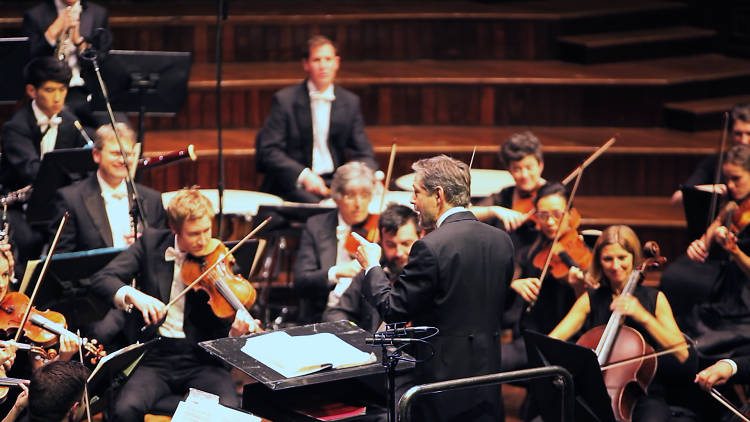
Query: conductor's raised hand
[
  {"x": 153, "y": 309},
  {"x": 368, "y": 253}
]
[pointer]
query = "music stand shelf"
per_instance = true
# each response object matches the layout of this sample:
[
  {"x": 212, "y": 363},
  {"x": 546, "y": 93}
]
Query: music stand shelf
[{"x": 228, "y": 350}]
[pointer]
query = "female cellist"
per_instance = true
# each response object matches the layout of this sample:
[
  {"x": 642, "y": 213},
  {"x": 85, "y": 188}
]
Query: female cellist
[
  {"x": 554, "y": 297},
  {"x": 522, "y": 154},
  {"x": 616, "y": 253}
]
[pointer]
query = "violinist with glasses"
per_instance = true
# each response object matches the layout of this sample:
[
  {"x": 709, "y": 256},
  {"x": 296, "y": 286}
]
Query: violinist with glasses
[
  {"x": 617, "y": 253},
  {"x": 159, "y": 259},
  {"x": 540, "y": 305}
]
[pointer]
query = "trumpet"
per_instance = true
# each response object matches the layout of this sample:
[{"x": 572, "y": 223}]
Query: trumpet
[{"x": 64, "y": 40}]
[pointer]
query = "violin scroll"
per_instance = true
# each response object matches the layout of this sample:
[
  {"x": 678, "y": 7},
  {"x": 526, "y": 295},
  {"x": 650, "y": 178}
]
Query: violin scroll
[{"x": 652, "y": 257}]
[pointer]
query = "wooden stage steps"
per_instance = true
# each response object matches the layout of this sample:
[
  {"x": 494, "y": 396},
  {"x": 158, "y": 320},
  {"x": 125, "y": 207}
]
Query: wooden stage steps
[{"x": 702, "y": 114}]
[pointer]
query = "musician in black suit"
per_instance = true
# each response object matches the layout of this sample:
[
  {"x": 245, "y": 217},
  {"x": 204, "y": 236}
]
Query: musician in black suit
[
  {"x": 456, "y": 279},
  {"x": 399, "y": 229},
  {"x": 176, "y": 362},
  {"x": 323, "y": 264},
  {"x": 40, "y": 126},
  {"x": 313, "y": 128},
  {"x": 74, "y": 23},
  {"x": 99, "y": 205}
]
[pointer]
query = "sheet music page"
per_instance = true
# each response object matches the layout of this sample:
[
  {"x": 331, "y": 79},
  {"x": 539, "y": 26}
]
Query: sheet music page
[
  {"x": 302, "y": 355},
  {"x": 200, "y": 406}
]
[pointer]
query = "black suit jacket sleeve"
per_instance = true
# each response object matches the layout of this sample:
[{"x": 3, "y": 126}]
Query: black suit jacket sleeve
[
  {"x": 272, "y": 144},
  {"x": 119, "y": 271},
  {"x": 403, "y": 300},
  {"x": 743, "y": 370},
  {"x": 310, "y": 275}
]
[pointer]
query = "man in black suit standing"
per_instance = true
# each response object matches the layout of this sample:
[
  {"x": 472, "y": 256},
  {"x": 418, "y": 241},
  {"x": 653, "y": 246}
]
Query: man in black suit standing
[
  {"x": 65, "y": 28},
  {"x": 176, "y": 362},
  {"x": 37, "y": 128},
  {"x": 313, "y": 128},
  {"x": 456, "y": 279},
  {"x": 100, "y": 205}
]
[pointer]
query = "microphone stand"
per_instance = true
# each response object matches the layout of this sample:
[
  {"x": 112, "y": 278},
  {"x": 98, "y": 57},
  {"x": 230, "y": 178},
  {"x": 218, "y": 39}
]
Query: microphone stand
[
  {"x": 221, "y": 15},
  {"x": 136, "y": 211},
  {"x": 394, "y": 335}
]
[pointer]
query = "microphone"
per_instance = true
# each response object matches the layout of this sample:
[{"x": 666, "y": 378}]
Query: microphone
[
  {"x": 380, "y": 341},
  {"x": 399, "y": 332},
  {"x": 89, "y": 142}
]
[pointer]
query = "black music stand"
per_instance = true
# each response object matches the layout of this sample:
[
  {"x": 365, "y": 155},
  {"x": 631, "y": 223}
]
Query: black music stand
[
  {"x": 112, "y": 372},
  {"x": 59, "y": 168},
  {"x": 153, "y": 82},
  {"x": 592, "y": 400},
  {"x": 14, "y": 54},
  {"x": 271, "y": 397},
  {"x": 696, "y": 204}
]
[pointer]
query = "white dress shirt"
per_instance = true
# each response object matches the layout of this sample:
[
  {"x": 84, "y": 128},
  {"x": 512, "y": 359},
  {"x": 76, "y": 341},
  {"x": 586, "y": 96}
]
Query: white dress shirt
[
  {"x": 48, "y": 126},
  {"x": 117, "y": 207},
  {"x": 320, "y": 107}
]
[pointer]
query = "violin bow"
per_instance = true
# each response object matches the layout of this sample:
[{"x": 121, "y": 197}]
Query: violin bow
[
  {"x": 473, "y": 153},
  {"x": 558, "y": 232},
  {"x": 587, "y": 162},
  {"x": 42, "y": 273},
  {"x": 717, "y": 175},
  {"x": 210, "y": 268},
  {"x": 729, "y": 405},
  {"x": 85, "y": 386},
  {"x": 388, "y": 175}
]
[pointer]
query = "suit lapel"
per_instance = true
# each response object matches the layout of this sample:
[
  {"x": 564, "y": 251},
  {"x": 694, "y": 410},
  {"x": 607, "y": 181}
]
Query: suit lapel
[
  {"x": 36, "y": 132},
  {"x": 338, "y": 109},
  {"x": 328, "y": 241},
  {"x": 303, "y": 115},
  {"x": 163, "y": 270},
  {"x": 92, "y": 199},
  {"x": 87, "y": 21}
]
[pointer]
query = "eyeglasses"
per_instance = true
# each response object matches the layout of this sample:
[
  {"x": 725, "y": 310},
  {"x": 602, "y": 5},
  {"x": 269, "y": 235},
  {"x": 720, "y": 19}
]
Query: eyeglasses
[
  {"x": 546, "y": 215},
  {"x": 352, "y": 196}
]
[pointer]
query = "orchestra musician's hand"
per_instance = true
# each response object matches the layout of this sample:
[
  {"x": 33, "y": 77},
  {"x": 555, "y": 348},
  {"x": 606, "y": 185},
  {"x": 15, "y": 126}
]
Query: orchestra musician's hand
[
  {"x": 314, "y": 183},
  {"x": 511, "y": 219},
  {"x": 153, "y": 309},
  {"x": 527, "y": 288},
  {"x": 578, "y": 279},
  {"x": 697, "y": 251},
  {"x": 68, "y": 346},
  {"x": 726, "y": 239},
  {"x": 7, "y": 353},
  {"x": 715, "y": 374},
  {"x": 349, "y": 269},
  {"x": 64, "y": 21},
  {"x": 368, "y": 253},
  {"x": 22, "y": 401},
  {"x": 629, "y": 305},
  {"x": 243, "y": 324}
]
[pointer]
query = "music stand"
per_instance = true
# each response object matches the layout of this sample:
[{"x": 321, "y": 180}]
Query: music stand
[
  {"x": 592, "y": 400},
  {"x": 697, "y": 205},
  {"x": 14, "y": 54},
  {"x": 267, "y": 398},
  {"x": 153, "y": 82},
  {"x": 113, "y": 371},
  {"x": 59, "y": 168}
]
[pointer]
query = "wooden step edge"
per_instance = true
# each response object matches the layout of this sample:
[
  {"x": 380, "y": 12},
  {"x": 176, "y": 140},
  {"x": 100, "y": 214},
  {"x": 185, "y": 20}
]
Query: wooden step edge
[
  {"x": 614, "y": 39},
  {"x": 707, "y": 105}
]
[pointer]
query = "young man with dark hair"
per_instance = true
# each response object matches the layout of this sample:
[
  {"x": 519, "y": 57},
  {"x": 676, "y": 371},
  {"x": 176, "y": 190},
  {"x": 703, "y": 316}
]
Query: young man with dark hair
[
  {"x": 312, "y": 129},
  {"x": 399, "y": 229},
  {"x": 40, "y": 126},
  {"x": 56, "y": 392}
]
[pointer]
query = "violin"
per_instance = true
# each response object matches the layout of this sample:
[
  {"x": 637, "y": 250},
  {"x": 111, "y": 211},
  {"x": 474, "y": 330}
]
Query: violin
[
  {"x": 368, "y": 230},
  {"x": 617, "y": 343},
  {"x": 43, "y": 328},
  {"x": 570, "y": 251},
  {"x": 227, "y": 292}
]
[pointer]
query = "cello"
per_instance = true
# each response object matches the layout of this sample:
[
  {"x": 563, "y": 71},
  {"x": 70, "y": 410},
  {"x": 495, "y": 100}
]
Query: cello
[{"x": 616, "y": 342}]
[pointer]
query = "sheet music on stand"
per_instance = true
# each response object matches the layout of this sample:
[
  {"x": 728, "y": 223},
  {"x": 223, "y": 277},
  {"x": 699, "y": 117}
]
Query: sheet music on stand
[{"x": 200, "y": 406}]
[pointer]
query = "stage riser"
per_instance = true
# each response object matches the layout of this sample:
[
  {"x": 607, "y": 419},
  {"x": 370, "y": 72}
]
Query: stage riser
[
  {"x": 446, "y": 104},
  {"x": 613, "y": 174}
]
